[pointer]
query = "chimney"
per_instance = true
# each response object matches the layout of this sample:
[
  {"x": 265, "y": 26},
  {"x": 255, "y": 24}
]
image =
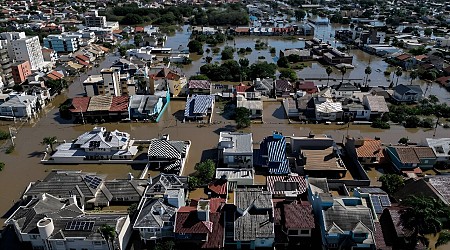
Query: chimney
[{"x": 203, "y": 210}]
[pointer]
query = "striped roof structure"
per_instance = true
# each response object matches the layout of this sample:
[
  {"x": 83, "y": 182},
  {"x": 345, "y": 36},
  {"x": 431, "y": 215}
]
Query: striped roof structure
[
  {"x": 277, "y": 185},
  {"x": 197, "y": 105},
  {"x": 274, "y": 148}
]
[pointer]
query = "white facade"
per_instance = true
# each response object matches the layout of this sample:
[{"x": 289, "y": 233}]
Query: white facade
[{"x": 22, "y": 48}]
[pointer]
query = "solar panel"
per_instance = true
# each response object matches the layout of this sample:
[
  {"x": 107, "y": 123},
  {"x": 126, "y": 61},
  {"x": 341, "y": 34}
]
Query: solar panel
[
  {"x": 385, "y": 201},
  {"x": 80, "y": 225},
  {"x": 376, "y": 204},
  {"x": 93, "y": 181}
]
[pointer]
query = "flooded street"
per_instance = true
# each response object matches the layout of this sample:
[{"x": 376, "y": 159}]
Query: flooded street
[
  {"x": 314, "y": 70},
  {"x": 23, "y": 165}
]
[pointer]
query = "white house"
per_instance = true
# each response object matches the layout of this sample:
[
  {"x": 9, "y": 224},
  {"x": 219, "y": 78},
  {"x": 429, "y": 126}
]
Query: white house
[
  {"x": 19, "y": 106},
  {"x": 328, "y": 111}
]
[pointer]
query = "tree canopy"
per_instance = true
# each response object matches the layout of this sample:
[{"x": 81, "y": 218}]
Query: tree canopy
[
  {"x": 242, "y": 117},
  {"x": 391, "y": 182}
]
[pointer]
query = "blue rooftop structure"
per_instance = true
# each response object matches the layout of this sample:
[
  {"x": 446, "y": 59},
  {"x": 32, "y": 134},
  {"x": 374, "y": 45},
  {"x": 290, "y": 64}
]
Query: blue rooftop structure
[
  {"x": 198, "y": 106},
  {"x": 273, "y": 154}
]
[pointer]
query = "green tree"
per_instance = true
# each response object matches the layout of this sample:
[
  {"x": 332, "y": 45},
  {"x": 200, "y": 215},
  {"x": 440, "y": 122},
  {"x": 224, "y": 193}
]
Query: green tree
[
  {"x": 132, "y": 209},
  {"x": 391, "y": 182},
  {"x": 199, "y": 77},
  {"x": 412, "y": 121},
  {"x": 413, "y": 75},
  {"x": 444, "y": 238},
  {"x": 195, "y": 46},
  {"x": 4, "y": 135},
  {"x": 288, "y": 74},
  {"x": 208, "y": 59},
  {"x": 109, "y": 233},
  {"x": 283, "y": 62},
  {"x": 227, "y": 53},
  {"x": 138, "y": 40},
  {"x": 433, "y": 99},
  {"x": 205, "y": 170},
  {"x": 425, "y": 214},
  {"x": 367, "y": 71},
  {"x": 194, "y": 182},
  {"x": 428, "y": 32},
  {"x": 329, "y": 70},
  {"x": 262, "y": 70},
  {"x": 403, "y": 140},
  {"x": 398, "y": 73},
  {"x": 300, "y": 14},
  {"x": 244, "y": 62},
  {"x": 2, "y": 166},
  {"x": 131, "y": 19},
  {"x": 51, "y": 140},
  {"x": 242, "y": 117}
]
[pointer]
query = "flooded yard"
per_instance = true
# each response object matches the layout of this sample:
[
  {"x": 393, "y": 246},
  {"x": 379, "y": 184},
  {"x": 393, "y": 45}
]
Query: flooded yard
[{"x": 274, "y": 113}]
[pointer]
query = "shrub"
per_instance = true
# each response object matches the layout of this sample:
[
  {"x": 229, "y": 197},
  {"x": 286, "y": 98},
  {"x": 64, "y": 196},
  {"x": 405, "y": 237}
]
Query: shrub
[
  {"x": 426, "y": 123},
  {"x": 4, "y": 135},
  {"x": 378, "y": 123},
  {"x": 10, "y": 149},
  {"x": 2, "y": 166}
]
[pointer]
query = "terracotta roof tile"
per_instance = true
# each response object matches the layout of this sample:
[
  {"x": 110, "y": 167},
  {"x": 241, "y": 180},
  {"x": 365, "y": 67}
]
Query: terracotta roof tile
[
  {"x": 424, "y": 152},
  {"x": 406, "y": 155},
  {"x": 218, "y": 186},
  {"x": 80, "y": 104},
  {"x": 298, "y": 215},
  {"x": 403, "y": 57},
  {"x": 82, "y": 58},
  {"x": 119, "y": 104},
  {"x": 370, "y": 148}
]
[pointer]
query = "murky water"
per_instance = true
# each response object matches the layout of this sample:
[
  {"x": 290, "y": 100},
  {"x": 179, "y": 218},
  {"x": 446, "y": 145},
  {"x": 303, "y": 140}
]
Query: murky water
[
  {"x": 314, "y": 70},
  {"x": 23, "y": 165}
]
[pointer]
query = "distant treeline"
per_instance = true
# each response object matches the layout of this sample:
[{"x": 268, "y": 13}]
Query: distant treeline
[{"x": 231, "y": 14}]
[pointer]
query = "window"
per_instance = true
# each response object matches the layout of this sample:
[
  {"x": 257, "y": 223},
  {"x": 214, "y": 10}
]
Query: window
[
  {"x": 304, "y": 231},
  {"x": 293, "y": 232}
]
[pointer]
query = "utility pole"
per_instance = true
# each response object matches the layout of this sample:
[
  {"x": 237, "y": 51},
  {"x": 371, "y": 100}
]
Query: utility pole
[{"x": 11, "y": 135}]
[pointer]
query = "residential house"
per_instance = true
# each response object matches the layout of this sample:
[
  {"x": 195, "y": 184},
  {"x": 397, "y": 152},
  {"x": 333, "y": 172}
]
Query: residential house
[
  {"x": 440, "y": 147},
  {"x": 254, "y": 106},
  {"x": 328, "y": 110},
  {"x": 172, "y": 188},
  {"x": 100, "y": 108},
  {"x": 307, "y": 86},
  {"x": 155, "y": 219},
  {"x": 200, "y": 87},
  {"x": 344, "y": 222},
  {"x": 407, "y": 93},
  {"x": 48, "y": 222},
  {"x": 168, "y": 156},
  {"x": 353, "y": 109},
  {"x": 272, "y": 154},
  {"x": 376, "y": 104},
  {"x": 88, "y": 189},
  {"x": 265, "y": 86},
  {"x": 294, "y": 222},
  {"x": 344, "y": 90},
  {"x": 201, "y": 225},
  {"x": 317, "y": 156},
  {"x": 367, "y": 151},
  {"x": 145, "y": 106},
  {"x": 335, "y": 56},
  {"x": 398, "y": 235},
  {"x": 302, "y": 54},
  {"x": 236, "y": 176},
  {"x": 283, "y": 88},
  {"x": 376, "y": 199},
  {"x": 405, "y": 61},
  {"x": 252, "y": 220},
  {"x": 406, "y": 158},
  {"x": 291, "y": 186},
  {"x": 98, "y": 144},
  {"x": 21, "y": 106},
  {"x": 168, "y": 79},
  {"x": 218, "y": 188},
  {"x": 199, "y": 107},
  {"x": 431, "y": 186},
  {"x": 236, "y": 149}
]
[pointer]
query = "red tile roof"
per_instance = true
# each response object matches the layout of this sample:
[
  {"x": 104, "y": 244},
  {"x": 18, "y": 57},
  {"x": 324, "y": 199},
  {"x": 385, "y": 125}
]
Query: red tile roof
[
  {"x": 218, "y": 186},
  {"x": 82, "y": 58},
  {"x": 80, "y": 104},
  {"x": 403, "y": 57},
  {"x": 187, "y": 222},
  {"x": 421, "y": 57},
  {"x": 370, "y": 148},
  {"x": 242, "y": 88},
  {"x": 83, "y": 62},
  {"x": 139, "y": 29},
  {"x": 119, "y": 104},
  {"x": 297, "y": 216},
  {"x": 55, "y": 75},
  {"x": 308, "y": 86}
]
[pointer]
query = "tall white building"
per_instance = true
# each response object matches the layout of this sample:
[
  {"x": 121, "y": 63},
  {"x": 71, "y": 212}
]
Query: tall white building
[{"x": 23, "y": 48}]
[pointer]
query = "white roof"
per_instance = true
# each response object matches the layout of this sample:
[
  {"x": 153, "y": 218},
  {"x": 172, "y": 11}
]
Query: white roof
[
  {"x": 376, "y": 103},
  {"x": 329, "y": 107},
  {"x": 441, "y": 146},
  {"x": 250, "y": 104},
  {"x": 234, "y": 173}
]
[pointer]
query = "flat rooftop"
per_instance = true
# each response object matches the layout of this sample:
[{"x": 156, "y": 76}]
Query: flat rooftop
[{"x": 325, "y": 159}]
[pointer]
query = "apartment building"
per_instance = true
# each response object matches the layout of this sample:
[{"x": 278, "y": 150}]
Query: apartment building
[
  {"x": 23, "y": 48},
  {"x": 92, "y": 19},
  {"x": 62, "y": 43},
  {"x": 20, "y": 71}
]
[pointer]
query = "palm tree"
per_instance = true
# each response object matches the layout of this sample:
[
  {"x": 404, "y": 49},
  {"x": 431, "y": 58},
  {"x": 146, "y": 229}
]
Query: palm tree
[
  {"x": 329, "y": 70},
  {"x": 368, "y": 71},
  {"x": 51, "y": 140},
  {"x": 343, "y": 71},
  {"x": 413, "y": 75},
  {"x": 109, "y": 233},
  {"x": 398, "y": 73}
]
